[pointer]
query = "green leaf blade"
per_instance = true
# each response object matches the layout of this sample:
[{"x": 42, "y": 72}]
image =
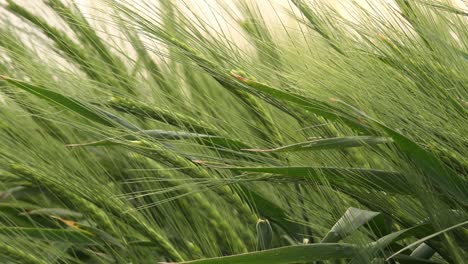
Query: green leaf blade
[
  {"x": 284, "y": 255},
  {"x": 329, "y": 143},
  {"x": 50, "y": 234},
  {"x": 352, "y": 219},
  {"x": 388, "y": 181},
  {"x": 60, "y": 100}
]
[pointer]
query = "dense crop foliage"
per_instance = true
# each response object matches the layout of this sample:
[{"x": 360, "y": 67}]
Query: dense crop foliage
[{"x": 150, "y": 132}]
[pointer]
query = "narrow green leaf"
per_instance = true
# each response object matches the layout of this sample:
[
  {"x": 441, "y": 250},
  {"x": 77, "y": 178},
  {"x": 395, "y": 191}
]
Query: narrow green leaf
[
  {"x": 50, "y": 234},
  {"x": 419, "y": 241},
  {"x": 423, "y": 251},
  {"x": 220, "y": 143},
  {"x": 352, "y": 219},
  {"x": 387, "y": 181},
  {"x": 311, "y": 105},
  {"x": 377, "y": 247},
  {"x": 21, "y": 205},
  {"x": 444, "y": 177},
  {"x": 329, "y": 143},
  {"x": 84, "y": 109},
  {"x": 74, "y": 105},
  {"x": 385, "y": 241},
  {"x": 104, "y": 142},
  {"x": 61, "y": 212},
  {"x": 173, "y": 135},
  {"x": 284, "y": 255},
  {"x": 217, "y": 142},
  {"x": 154, "y": 134}
]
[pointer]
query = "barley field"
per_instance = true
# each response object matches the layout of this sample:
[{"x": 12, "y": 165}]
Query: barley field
[{"x": 233, "y": 131}]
